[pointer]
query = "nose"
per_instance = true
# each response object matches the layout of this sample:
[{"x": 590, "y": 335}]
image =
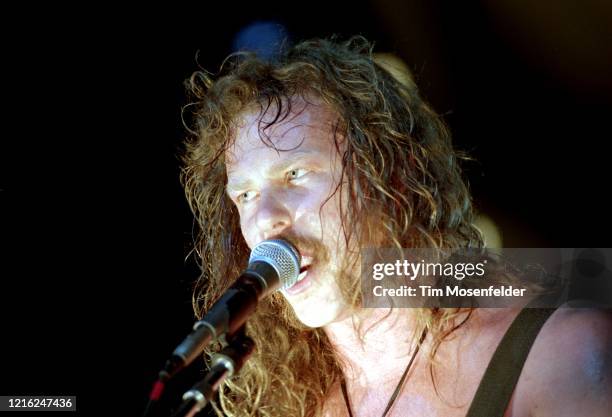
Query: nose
[{"x": 272, "y": 217}]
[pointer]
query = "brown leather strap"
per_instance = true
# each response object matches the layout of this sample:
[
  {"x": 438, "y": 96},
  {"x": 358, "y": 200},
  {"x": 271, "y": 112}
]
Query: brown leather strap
[{"x": 504, "y": 369}]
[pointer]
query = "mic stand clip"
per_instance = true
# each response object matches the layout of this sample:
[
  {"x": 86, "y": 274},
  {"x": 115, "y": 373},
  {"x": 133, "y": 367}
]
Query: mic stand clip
[{"x": 224, "y": 364}]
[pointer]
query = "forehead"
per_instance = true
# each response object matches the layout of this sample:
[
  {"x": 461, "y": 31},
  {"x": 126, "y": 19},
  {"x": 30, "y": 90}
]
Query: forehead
[{"x": 309, "y": 126}]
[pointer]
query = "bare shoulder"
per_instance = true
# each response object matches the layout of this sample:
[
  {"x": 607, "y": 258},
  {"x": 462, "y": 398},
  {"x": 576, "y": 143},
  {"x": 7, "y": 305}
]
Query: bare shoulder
[{"x": 569, "y": 368}]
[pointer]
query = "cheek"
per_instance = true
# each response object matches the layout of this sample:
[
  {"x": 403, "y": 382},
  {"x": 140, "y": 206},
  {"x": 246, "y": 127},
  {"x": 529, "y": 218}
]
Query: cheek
[
  {"x": 244, "y": 228},
  {"x": 330, "y": 214},
  {"x": 248, "y": 228},
  {"x": 319, "y": 216},
  {"x": 307, "y": 213}
]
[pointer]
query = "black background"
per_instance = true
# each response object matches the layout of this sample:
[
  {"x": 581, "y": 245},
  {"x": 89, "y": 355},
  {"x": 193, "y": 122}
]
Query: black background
[{"x": 95, "y": 285}]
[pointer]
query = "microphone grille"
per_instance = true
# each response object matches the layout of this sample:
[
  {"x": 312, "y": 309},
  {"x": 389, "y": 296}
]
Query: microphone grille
[{"x": 282, "y": 256}]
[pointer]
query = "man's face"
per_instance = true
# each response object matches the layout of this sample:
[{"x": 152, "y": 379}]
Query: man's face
[{"x": 286, "y": 192}]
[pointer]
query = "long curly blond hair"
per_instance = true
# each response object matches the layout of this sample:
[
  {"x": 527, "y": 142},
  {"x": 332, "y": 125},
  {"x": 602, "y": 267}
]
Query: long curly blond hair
[{"x": 399, "y": 162}]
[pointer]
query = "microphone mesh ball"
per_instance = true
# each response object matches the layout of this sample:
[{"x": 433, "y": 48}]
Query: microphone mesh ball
[{"x": 283, "y": 257}]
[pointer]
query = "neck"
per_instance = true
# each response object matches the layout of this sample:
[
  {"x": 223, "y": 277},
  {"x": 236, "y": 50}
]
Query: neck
[{"x": 374, "y": 345}]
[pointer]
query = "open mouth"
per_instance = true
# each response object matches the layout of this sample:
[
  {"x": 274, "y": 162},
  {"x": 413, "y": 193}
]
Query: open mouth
[
  {"x": 306, "y": 264},
  {"x": 303, "y": 272},
  {"x": 303, "y": 280}
]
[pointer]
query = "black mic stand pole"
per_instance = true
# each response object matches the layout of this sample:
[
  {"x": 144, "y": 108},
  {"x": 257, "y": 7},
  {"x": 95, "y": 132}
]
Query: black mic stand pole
[{"x": 224, "y": 364}]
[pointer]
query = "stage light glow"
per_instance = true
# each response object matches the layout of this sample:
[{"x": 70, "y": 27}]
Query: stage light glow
[{"x": 490, "y": 231}]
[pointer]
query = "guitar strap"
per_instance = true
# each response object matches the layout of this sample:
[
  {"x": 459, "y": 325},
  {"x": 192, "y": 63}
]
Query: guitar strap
[{"x": 504, "y": 369}]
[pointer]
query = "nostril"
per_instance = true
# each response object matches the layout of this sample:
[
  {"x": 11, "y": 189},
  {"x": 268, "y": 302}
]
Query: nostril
[{"x": 279, "y": 225}]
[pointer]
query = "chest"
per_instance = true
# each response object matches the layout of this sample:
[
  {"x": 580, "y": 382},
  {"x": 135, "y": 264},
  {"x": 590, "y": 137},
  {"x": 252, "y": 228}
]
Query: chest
[{"x": 446, "y": 390}]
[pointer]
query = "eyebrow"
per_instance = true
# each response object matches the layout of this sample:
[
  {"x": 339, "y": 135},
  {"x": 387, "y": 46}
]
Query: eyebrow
[{"x": 280, "y": 166}]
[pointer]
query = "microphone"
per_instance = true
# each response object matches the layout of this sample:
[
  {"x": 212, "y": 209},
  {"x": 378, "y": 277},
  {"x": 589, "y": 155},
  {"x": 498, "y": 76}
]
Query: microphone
[{"x": 273, "y": 264}]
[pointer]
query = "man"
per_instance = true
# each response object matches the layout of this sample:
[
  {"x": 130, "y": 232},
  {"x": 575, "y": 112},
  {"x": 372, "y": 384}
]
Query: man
[{"x": 324, "y": 148}]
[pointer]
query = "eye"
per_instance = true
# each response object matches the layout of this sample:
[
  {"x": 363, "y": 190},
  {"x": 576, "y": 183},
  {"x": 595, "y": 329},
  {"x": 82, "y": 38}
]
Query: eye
[
  {"x": 297, "y": 173},
  {"x": 245, "y": 197}
]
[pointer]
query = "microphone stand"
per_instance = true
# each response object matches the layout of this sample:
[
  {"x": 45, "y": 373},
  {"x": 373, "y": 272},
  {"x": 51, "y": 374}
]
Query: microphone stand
[
  {"x": 272, "y": 264},
  {"x": 223, "y": 364}
]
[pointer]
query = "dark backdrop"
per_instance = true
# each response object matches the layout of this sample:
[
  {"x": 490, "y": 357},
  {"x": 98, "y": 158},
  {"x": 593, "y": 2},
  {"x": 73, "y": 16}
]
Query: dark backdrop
[{"x": 95, "y": 286}]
